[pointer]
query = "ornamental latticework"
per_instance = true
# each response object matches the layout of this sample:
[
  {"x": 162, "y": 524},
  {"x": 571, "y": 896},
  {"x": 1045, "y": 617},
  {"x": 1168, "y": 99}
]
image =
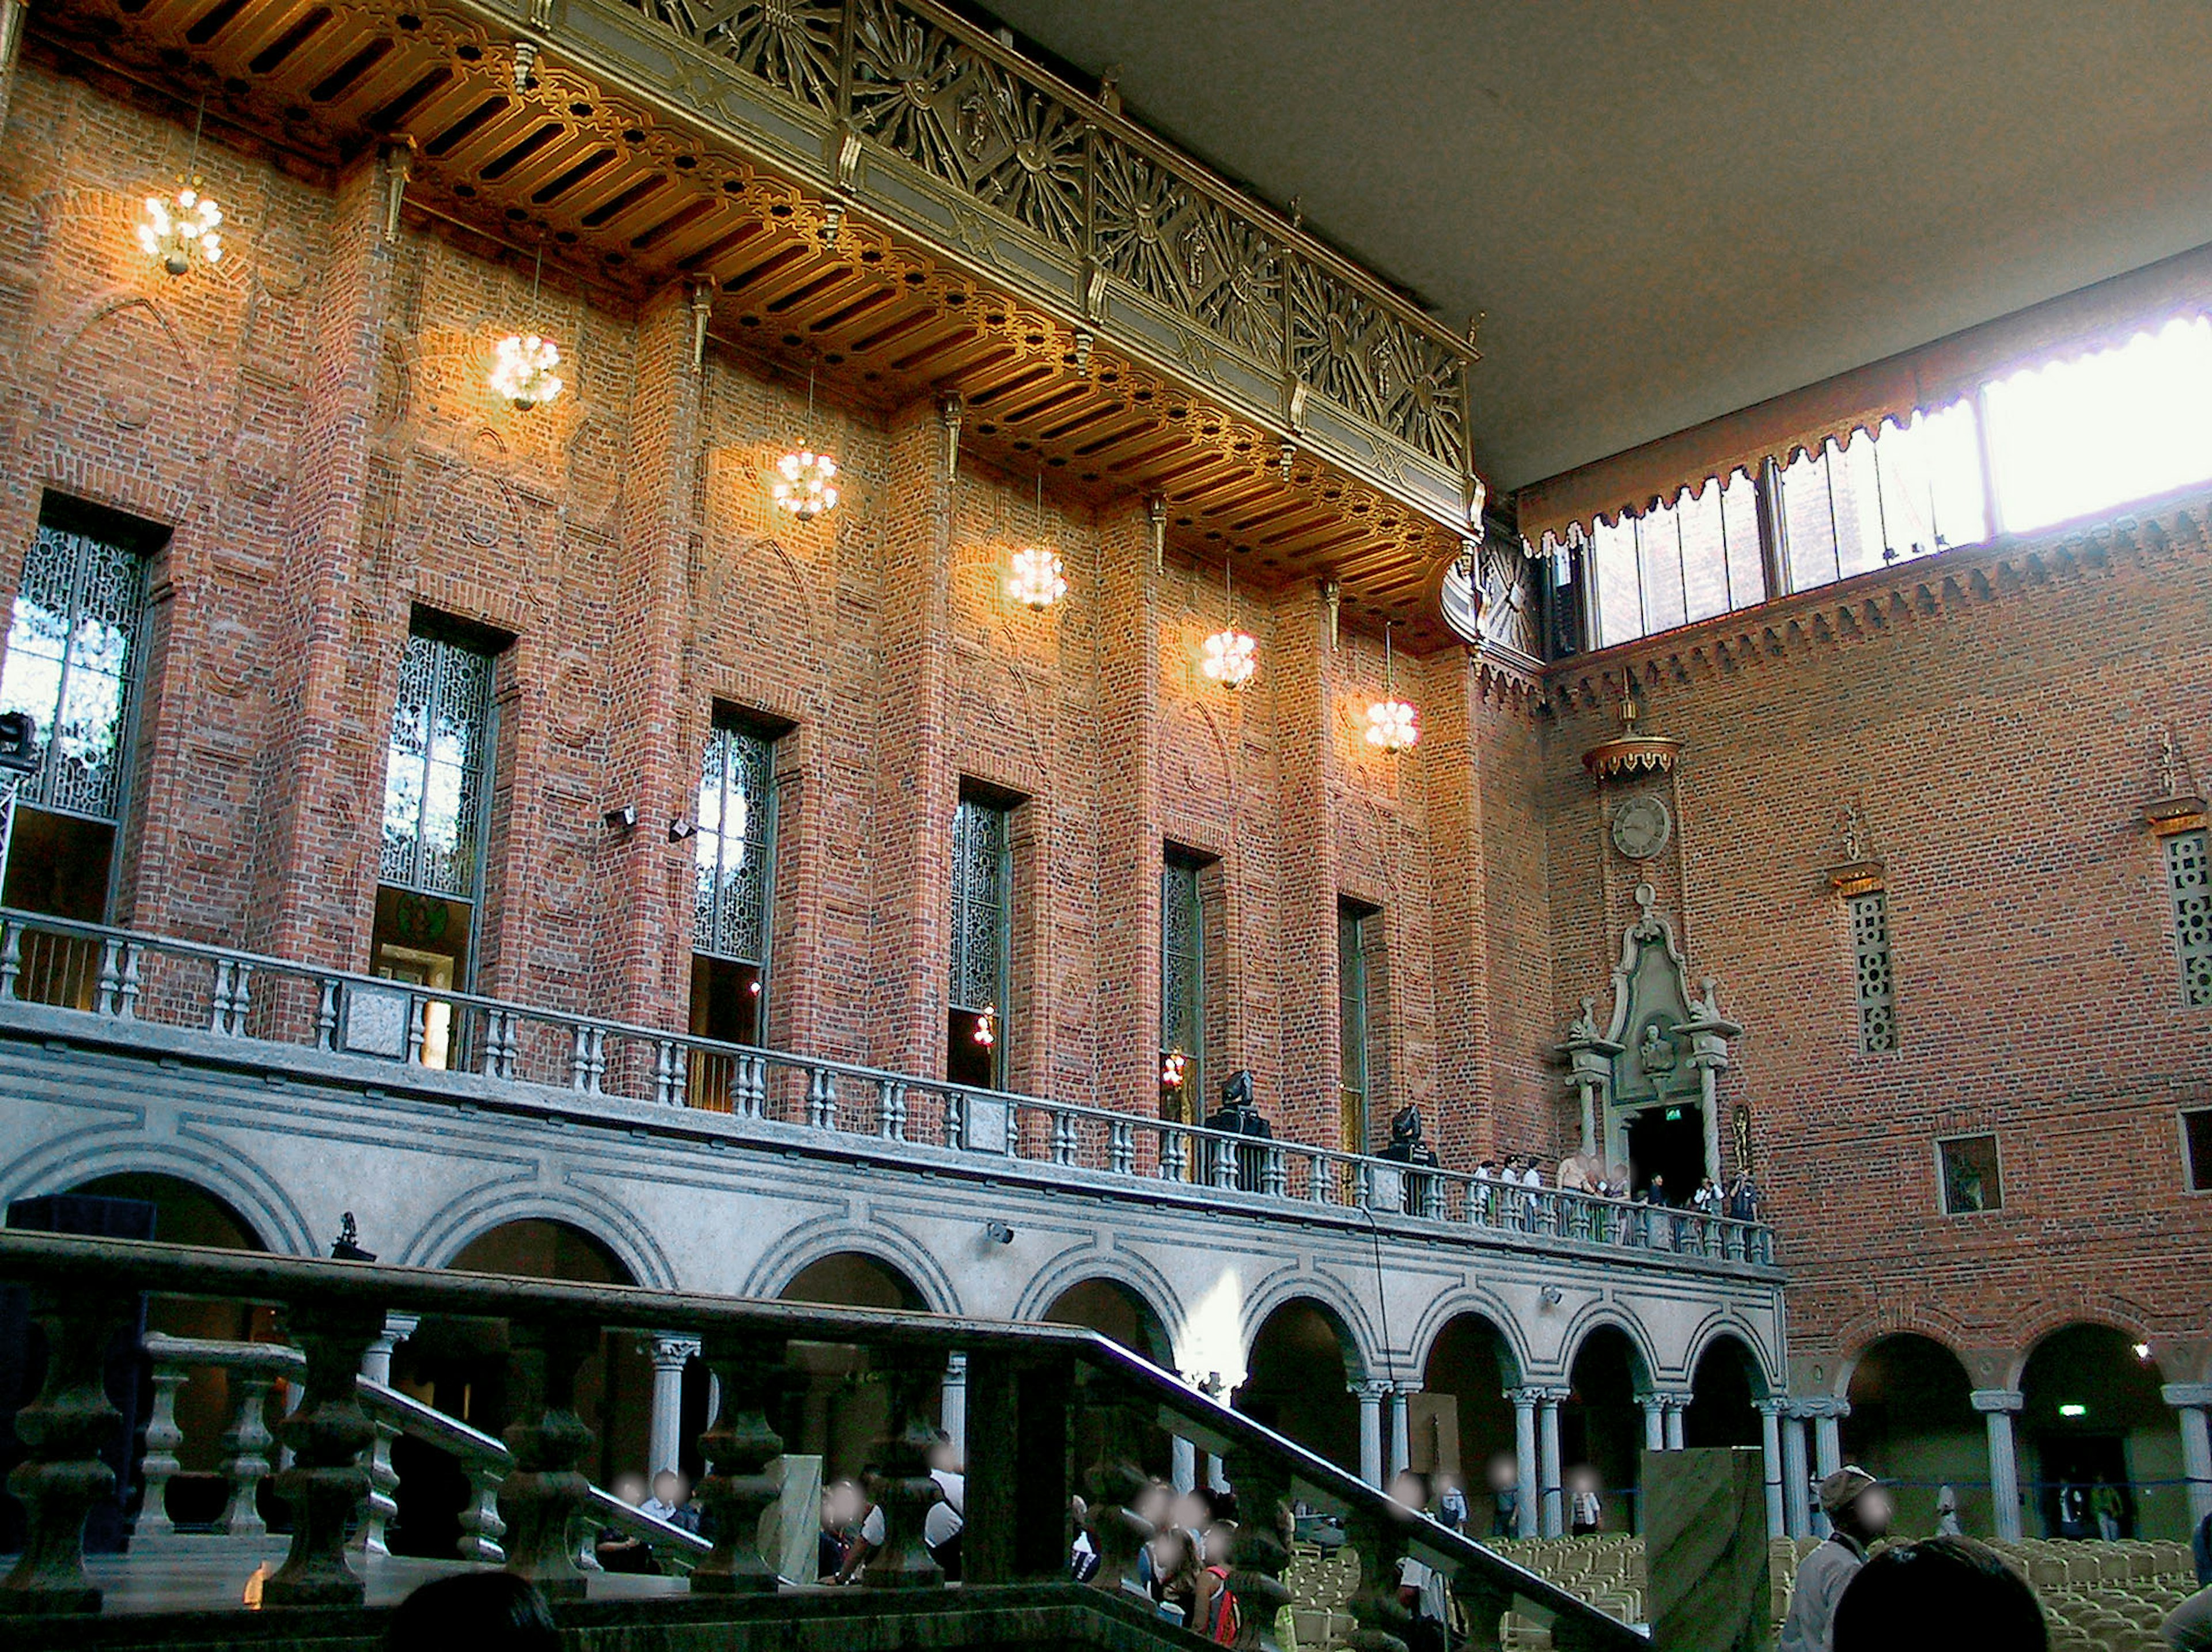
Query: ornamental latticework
[
  {"x": 433, "y": 784},
  {"x": 71, "y": 648},
  {"x": 736, "y": 824},
  {"x": 2186, "y": 875},
  {"x": 1877, "y": 987},
  {"x": 979, "y": 906}
]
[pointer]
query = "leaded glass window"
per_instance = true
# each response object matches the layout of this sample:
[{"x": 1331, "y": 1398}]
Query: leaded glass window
[
  {"x": 1182, "y": 971},
  {"x": 732, "y": 890},
  {"x": 436, "y": 777},
  {"x": 980, "y": 899},
  {"x": 72, "y": 646},
  {"x": 2186, "y": 877},
  {"x": 1352, "y": 1024},
  {"x": 1877, "y": 990}
]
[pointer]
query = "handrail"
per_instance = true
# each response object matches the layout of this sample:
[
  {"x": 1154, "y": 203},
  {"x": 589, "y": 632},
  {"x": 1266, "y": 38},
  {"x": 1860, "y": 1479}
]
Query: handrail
[
  {"x": 74, "y": 1276},
  {"x": 849, "y": 1101}
]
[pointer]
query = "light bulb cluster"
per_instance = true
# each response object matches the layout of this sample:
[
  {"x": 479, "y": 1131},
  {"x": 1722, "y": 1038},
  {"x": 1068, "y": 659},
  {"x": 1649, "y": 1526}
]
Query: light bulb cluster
[
  {"x": 523, "y": 370},
  {"x": 1174, "y": 1067},
  {"x": 1039, "y": 578},
  {"x": 1392, "y": 725},
  {"x": 987, "y": 1026},
  {"x": 182, "y": 231},
  {"x": 1230, "y": 657},
  {"x": 806, "y": 483}
]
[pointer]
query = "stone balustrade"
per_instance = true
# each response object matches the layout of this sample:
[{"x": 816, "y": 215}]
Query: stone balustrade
[{"x": 1027, "y": 1387}]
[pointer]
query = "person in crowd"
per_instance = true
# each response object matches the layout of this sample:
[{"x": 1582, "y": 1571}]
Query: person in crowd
[
  {"x": 2073, "y": 1510},
  {"x": 671, "y": 1501},
  {"x": 1155, "y": 1506},
  {"x": 1422, "y": 1590},
  {"x": 1178, "y": 1581},
  {"x": 1505, "y": 1478},
  {"x": 1655, "y": 1191},
  {"x": 942, "y": 1524},
  {"x": 1940, "y": 1593},
  {"x": 2188, "y": 1627},
  {"x": 863, "y": 1526},
  {"x": 829, "y": 1542},
  {"x": 1451, "y": 1502},
  {"x": 473, "y": 1612},
  {"x": 1707, "y": 1201},
  {"x": 1585, "y": 1512},
  {"x": 1858, "y": 1510},
  {"x": 1743, "y": 1198},
  {"x": 1083, "y": 1556},
  {"x": 615, "y": 1550},
  {"x": 1532, "y": 1173},
  {"x": 1223, "y": 1621},
  {"x": 1947, "y": 1511},
  {"x": 2105, "y": 1507}
]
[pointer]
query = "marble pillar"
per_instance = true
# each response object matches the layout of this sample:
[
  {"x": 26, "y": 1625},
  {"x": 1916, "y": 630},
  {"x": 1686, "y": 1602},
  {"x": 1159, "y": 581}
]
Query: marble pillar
[
  {"x": 1370, "y": 1395},
  {"x": 376, "y": 1364},
  {"x": 1401, "y": 1438},
  {"x": 1655, "y": 1421},
  {"x": 664, "y": 1437},
  {"x": 1524, "y": 1459},
  {"x": 952, "y": 1406},
  {"x": 1770, "y": 1448},
  {"x": 1547, "y": 1452},
  {"x": 1797, "y": 1478},
  {"x": 2190, "y": 1402},
  {"x": 1182, "y": 1463},
  {"x": 1677, "y": 1404},
  {"x": 1998, "y": 1407}
]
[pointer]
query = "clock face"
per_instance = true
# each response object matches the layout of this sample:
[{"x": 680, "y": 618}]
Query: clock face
[{"x": 1641, "y": 827}]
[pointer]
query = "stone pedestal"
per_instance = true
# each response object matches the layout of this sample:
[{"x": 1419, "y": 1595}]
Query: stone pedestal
[{"x": 1704, "y": 1532}]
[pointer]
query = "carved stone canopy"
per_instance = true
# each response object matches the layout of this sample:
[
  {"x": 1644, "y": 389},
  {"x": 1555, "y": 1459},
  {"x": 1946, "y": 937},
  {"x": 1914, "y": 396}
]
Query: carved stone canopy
[{"x": 1661, "y": 1038}]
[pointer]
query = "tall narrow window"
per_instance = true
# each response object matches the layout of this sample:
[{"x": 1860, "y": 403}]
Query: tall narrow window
[
  {"x": 982, "y": 900},
  {"x": 73, "y": 642},
  {"x": 733, "y": 895},
  {"x": 1876, "y": 982},
  {"x": 1182, "y": 990},
  {"x": 2186, "y": 877},
  {"x": 1355, "y": 925},
  {"x": 437, "y": 798}
]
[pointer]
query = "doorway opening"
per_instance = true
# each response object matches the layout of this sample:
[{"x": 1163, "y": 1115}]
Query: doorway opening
[{"x": 1668, "y": 1142}]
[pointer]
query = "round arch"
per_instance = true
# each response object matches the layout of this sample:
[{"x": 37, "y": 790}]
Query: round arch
[
  {"x": 262, "y": 1206},
  {"x": 882, "y": 1244},
  {"x": 1912, "y": 1423},
  {"x": 1472, "y": 1302},
  {"x": 1725, "y": 1383},
  {"x": 2095, "y": 1433},
  {"x": 1601, "y": 1425},
  {"x": 1145, "y": 1284},
  {"x": 1460, "y": 1425},
  {"x": 1117, "y": 1312},
  {"x": 852, "y": 1278},
  {"x": 1765, "y": 1381},
  {"x": 833, "y": 1417},
  {"x": 1597, "y": 1317},
  {"x": 1299, "y": 1367},
  {"x": 1362, "y": 1347},
  {"x": 475, "y": 1214}
]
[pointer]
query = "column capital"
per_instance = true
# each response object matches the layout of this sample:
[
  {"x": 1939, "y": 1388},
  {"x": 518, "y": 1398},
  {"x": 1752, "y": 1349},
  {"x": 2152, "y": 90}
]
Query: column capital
[
  {"x": 2007, "y": 1400},
  {"x": 1371, "y": 1387},
  {"x": 1820, "y": 1406},
  {"x": 1407, "y": 1388},
  {"x": 670, "y": 1350},
  {"x": 1773, "y": 1406},
  {"x": 2184, "y": 1396},
  {"x": 1538, "y": 1393}
]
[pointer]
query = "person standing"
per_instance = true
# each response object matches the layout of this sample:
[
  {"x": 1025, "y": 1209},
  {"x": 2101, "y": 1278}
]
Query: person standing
[
  {"x": 1859, "y": 1510},
  {"x": 2105, "y": 1507},
  {"x": 1946, "y": 1512}
]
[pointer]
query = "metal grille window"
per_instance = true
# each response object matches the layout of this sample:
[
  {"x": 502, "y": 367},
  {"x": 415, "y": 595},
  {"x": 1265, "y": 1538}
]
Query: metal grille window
[
  {"x": 732, "y": 889},
  {"x": 436, "y": 777},
  {"x": 1352, "y": 1026},
  {"x": 980, "y": 899},
  {"x": 72, "y": 646},
  {"x": 1876, "y": 981},
  {"x": 1182, "y": 971},
  {"x": 2186, "y": 877}
]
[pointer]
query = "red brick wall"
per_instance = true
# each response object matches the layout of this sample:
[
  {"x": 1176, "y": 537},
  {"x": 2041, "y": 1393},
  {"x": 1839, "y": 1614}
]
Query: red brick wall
[{"x": 1994, "y": 715}]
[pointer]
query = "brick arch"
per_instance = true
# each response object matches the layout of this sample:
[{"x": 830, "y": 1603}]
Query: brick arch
[
  {"x": 1863, "y": 1334},
  {"x": 2041, "y": 1328},
  {"x": 266, "y": 1208},
  {"x": 469, "y": 1217}
]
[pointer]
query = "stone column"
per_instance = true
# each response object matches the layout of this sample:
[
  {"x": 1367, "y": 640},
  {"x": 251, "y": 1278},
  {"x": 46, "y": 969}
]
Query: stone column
[
  {"x": 1655, "y": 1421},
  {"x": 376, "y": 1364},
  {"x": 1770, "y": 1451},
  {"x": 664, "y": 1433},
  {"x": 1547, "y": 1451},
  {"x": 1677, "y": 1405},
  {"x": 1797, "y": 1478},
  {"x": 1524, "y": 1459},
  {"x": 2191, "y": 1401},
  {"x": 1998, "y": 1407},
  {"x": 1182, "y": 1463},
  {"x": 952, "y": 1403},
  {"x": 1401, "y": 1438},
  {"x": 1369, "y": 1394}
]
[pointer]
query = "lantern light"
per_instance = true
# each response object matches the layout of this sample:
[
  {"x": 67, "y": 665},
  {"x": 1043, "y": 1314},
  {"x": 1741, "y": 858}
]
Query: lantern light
[
  {"x": 1393, "y": 726},
  {"x": 1231, "y": 655},
  {"x": 806, "y": 483}
]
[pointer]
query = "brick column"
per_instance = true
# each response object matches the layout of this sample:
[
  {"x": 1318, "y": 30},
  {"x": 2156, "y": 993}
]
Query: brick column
[
  {"x": 917, "y": 787},
  {"x": 1128, "y": 811},
  {"x": 1304, "y": 680},
  {"x": 643, "y": 975},
  {"x": 1460, "y": 957},
  {"x": 316, "y": 880}
]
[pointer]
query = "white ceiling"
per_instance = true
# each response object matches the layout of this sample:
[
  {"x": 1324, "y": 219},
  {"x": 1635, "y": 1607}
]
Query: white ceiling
[{"x": 1673, "y": 210}]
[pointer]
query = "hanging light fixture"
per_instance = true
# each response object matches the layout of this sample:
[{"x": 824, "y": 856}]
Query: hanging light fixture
[
  {"x": 523, "y": 364},
  {"x": 805, "y": 481},
  {"x": 1039, "y": 578},
  {"x": 1392, "y": 724},
  {"x": 1231, "y": 656},
  {"x": 183, "y": 229}
]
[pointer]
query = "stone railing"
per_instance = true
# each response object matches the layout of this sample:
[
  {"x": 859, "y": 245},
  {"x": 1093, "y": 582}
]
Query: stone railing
[
  {"x": 1028, "y": 1385},
  {"x": 124, "y": 976}
]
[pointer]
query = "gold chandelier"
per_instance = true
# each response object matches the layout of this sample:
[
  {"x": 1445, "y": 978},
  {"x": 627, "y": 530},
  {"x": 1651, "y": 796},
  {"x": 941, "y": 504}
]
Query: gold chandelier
[
  {"x": 806, "y": 483},
  {"x": 184, "y": 229},
  {"x": 1392, "y": 725},
  {"x": 522, "y": 370},
  {"x": 1039, "y": 577},
  {"x": 1231, "y": 655}
]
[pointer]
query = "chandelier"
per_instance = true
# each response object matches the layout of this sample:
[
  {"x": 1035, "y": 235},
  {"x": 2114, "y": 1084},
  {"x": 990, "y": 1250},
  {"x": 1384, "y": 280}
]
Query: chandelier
[
  {"x": 1231, "y": 656},
  {"x": 183, "y": 229},
  {"x": 1392, "y": 725},
  {"x": 987, "y": 1026},
  {"x": 806, "y": 483},
  {"x": 522, "y": 370},
  {"x": 1040, "y": 578},
  {"x": 1174, "y": 1067}
]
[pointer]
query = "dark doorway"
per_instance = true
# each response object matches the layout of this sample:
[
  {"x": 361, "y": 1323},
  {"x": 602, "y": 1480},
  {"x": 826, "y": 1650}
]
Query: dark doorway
[
  {"x": 1669, "y": 1142},
  {"x": 2085, "y": 1475}
]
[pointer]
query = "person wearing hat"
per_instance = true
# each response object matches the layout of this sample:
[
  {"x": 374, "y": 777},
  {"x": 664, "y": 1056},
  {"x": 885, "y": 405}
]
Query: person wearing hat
[{"x": 1859, "y": 1509}]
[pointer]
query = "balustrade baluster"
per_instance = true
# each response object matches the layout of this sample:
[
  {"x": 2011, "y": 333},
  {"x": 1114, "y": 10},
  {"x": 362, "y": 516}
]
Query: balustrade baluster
[
  {"x": 822, "y": 1099},
  {"x": 326, "y": 1015},
  {"x": 912, "y": 1377},
  {"x": 738, "y": 1446},
  {"x": 63, "y": 1430},
  {"x": 1223, "y": 1165},
  {"x": 543, "y": 1493},
  {"x": 481, "y": 1526},
  {"x": 1121, "y": 1148},
  {"x": 1274, "y": 1172},
  {"x": 1171, "y": 1154},
  {"x": 418, "y": 1027},
  {"x": 132, "y": 981},
  {"x": 12, "y": 957},
  {"x": 110, "y": 951},
  {"x": 383, "y": 1484},
  {"x": 749, "y": 1094},
  {"x": 327, "y": 1483},
  {"x": 219, "y": 999},
  {"x": 241, "y": 999},
  {"x": 1063, "y": 1138},
  {"x": 890, "y": 1109},
  {"x": 580, "y": 1064},
  {"x": 245, "y": 1453},
  {"x": 1380, "y": 1543},
  {"x": 956, "y": 1119},
  {"x": 1319, "y": 1170},
  {"x": 160, "y": 1464}
]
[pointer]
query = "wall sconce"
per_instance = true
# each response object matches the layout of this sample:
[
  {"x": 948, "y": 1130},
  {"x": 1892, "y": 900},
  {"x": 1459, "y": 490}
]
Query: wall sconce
[
  {"x": 680, "y": 828},
  {"x": 1393, "y": 726},
  {"x": 987, "y": 1026},
  {"x": 997, "y": 1232},
  {"x": 1550, "y": 1296}
]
